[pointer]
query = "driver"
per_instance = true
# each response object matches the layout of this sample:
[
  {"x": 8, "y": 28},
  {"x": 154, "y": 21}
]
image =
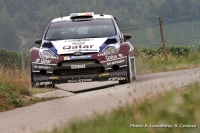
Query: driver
[{"x": 101, "y": 31}]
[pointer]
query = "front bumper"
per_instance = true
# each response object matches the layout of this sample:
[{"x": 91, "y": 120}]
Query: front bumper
[
  {"x": 111, "y": 70},
  {"x": 108, "y": 76}
]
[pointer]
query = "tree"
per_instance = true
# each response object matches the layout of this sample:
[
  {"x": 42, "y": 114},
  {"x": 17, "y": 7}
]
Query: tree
[{"x": 8, "y": 37}]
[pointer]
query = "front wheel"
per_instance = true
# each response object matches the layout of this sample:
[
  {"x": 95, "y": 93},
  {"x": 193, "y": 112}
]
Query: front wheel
[
  {"x": 33, "y": 84},
  {"x": 129, "y": 72},
  {"x": 40, "y": 84}
]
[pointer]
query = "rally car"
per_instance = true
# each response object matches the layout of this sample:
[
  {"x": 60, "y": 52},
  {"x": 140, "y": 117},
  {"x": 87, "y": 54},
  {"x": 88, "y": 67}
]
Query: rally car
[{"x": 83, "y": 47}]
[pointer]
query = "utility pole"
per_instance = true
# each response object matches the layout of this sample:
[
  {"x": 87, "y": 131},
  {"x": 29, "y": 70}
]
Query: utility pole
[{"x": 162, "y": 37}]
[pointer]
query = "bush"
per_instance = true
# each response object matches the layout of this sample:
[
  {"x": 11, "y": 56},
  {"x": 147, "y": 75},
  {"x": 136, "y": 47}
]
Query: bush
[
  {"x": 171, "y": 50},
  {"x": 13, "y": 59},
  {"x": 179, "y": 50}
]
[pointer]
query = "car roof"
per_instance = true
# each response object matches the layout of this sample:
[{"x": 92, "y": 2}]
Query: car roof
[{"x": 94, "y": 16}]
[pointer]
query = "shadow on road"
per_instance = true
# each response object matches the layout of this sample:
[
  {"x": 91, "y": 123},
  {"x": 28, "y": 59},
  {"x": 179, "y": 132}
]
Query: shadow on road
[{"x": 92, "y": 89}]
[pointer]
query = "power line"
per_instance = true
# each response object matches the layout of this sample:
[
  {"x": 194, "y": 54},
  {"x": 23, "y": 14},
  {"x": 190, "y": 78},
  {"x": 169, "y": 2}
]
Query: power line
[
  {"x": 143, "y": 26},
  {"x": 178, "y": 19}
]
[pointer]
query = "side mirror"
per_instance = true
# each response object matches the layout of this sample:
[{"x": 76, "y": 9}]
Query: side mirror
[
  {"x": 127, "y": 36},
  {"x": 38, "y": 41}
]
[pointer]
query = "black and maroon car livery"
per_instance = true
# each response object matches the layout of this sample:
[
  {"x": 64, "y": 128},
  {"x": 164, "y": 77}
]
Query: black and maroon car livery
[{"x": 83, "y": 47}]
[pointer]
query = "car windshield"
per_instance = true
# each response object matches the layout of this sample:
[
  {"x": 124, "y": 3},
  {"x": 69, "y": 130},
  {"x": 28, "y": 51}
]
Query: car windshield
[{"x": 96, "y": 28}]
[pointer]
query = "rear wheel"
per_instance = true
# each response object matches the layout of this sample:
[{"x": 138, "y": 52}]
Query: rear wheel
[{"x": 129, "y": 72}]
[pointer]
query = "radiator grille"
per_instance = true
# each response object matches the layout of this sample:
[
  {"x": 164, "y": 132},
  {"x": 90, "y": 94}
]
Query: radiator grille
[{"x": 84, "y": 71}]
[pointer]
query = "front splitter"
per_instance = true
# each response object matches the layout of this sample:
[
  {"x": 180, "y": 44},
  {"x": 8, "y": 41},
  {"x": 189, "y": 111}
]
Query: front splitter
[{"x": 108, "y": 76}]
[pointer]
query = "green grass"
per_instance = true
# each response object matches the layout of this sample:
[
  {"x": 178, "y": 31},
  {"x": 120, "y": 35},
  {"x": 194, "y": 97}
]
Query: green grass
[
  {"x": 16, "y": 91},
  {"x": 11, "y": 96},
  {"x": 159, "y": 64},
  {"x": 174, "y": 107}
]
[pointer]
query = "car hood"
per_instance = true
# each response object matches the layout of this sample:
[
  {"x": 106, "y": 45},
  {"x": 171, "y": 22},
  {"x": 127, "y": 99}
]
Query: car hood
[{"x": 88, "y": 45}]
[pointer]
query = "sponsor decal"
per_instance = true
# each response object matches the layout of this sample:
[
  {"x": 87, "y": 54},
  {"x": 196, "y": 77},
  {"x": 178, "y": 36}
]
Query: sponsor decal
[
  {"x": 82, "y": 19},
  {"x": 116, "y": 78},
  {"x": 79, "y": 80},
  {"x": 45, "y": 61},
  {"x": 104, "y": 75},
  {"x": 78, "y": 47},
  {"x": 78, "y": 43},
  {"x": 78, "y": 57},
  {"x": 54, "y": 77},
  {"x": 42, "y": 67},
  {"x": 120, "y": 55},
  {"x": 37, "y": 60},
  {"x": 88, "y": 50},
  {"x": 111, "y": 57},
  {"x": 115, "y": 62},
  {"x": 77, "y": 66},
  {"x": 81, "y": 57},
  {"x": 71, "y": 51},
  {"x": 66, "y": 58}
]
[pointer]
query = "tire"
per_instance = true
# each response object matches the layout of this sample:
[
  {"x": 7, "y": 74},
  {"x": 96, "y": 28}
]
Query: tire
[
  {"x": 129, "y": 72},
  {"x": 134, "y": 70},
  {"x": 33, "y": 84},
  {"x": 38, "y": 85}
]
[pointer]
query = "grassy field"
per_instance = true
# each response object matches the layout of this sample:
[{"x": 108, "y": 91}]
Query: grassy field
[
  {"x": 15, "y": 89},
  {"x": 172, "y": 112},
  {"x": 158, "y": 63},
  {"x": 175, "y": 34}
]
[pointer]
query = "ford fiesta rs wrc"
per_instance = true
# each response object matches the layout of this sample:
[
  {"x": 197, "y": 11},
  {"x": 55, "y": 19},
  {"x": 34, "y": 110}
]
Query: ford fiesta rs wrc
[{"x": 83, "y": 47}]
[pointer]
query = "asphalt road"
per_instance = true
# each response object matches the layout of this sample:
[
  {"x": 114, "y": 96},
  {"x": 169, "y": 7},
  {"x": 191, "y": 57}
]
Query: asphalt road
[{"x": 87, "y": 99}]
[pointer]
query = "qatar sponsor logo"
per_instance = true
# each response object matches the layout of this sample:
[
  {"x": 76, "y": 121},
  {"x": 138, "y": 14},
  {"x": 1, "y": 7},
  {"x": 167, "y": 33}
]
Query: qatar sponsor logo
[
  {"x": 111, "y": 57},
  {"x": 45, "y": 61},
  {"x": 78, "y": 47}
]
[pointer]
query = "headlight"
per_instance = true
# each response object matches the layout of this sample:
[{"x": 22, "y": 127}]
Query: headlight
[
  {"x": 46, "y": 53},
  {"x": 110, "y": 49}
]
